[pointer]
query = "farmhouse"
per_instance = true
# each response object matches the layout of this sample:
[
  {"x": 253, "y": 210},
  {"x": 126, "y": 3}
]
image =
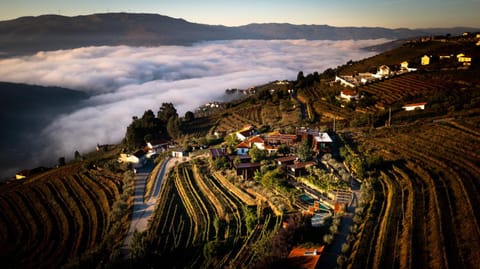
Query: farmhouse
[
  {"x": 348, "y": 95},
  {"x": 465, "y": 60},
  {"x": 365, "y": 77},
  {"x": 416, "y": 106},
  {"x": 277, "y": 138},
  {"x": 256, "y": 141},
  {"x": 383, "y": 71},
  {"x": 322, "y": 142},
  {"x": 179, "y": 153},
  {"x": 246, "y": 132},
  {"x": 425, "y": 60},
  {"x": 137, "y": 159},
  {"x": 242, "y": 148}
]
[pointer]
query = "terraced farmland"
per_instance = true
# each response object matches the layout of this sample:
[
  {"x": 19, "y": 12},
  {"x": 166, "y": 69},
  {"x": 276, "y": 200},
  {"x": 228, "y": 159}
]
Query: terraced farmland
[
  {"x": 431, "y": 188},
  {"x": 195, "y": 208},
  {"x": 56, "y": 216},
  {"x": 403, "y": 87}
]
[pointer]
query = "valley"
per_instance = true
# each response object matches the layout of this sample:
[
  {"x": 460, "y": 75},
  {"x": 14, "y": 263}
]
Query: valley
[{"x": 375, "y": 173}]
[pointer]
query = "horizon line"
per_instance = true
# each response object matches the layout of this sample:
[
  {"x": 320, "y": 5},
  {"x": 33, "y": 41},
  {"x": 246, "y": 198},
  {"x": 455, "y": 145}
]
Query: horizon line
[{"x": 240, "y": 25}]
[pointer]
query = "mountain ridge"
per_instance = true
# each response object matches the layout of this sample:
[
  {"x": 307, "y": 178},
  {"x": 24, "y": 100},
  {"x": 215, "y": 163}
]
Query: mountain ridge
[{"x": 26, "y": 35}]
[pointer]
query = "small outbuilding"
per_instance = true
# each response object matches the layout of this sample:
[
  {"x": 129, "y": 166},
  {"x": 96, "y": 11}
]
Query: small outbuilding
[
  {"x": 416, "y": 106},
  {"x": 425, "y": 60}
]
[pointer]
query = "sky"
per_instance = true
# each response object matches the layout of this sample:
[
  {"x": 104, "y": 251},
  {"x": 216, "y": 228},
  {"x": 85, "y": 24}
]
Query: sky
[{"x": 389, "y": 13}]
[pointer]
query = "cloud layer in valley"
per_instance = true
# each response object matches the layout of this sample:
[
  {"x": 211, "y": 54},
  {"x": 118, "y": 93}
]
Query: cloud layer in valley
[{"x": 125, "y": 81}]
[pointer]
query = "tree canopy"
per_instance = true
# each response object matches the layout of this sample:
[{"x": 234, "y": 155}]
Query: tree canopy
[{"x": 166, "y": 125}]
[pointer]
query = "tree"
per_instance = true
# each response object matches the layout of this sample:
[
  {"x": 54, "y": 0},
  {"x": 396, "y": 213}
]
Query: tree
[
  {"x": 148, "y": 138},
  {"x": 300, "y": 80},
  {"x": 284, "y": 149},
  {"x": 78, "y": 156},
  {"x": 257, "y": 154},
  {"x": 250, "y": 218},
  {"x": 328, "y": 239},
  {"x": 305, "y": 152},
  {"x": 173, "y": 127},
  {"x": 166, "y": 111},
  {"x": 237, "y": 160},
  {"x": 138, "y": 130},
  {"x": 61, "y": 161},
  {"x": 189, "y": 116},
  {"x": 231, "y": 142},
  {"x": 300, "y": 76}
]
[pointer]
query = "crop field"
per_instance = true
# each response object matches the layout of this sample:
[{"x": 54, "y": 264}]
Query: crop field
[
  {"x": 55, "y": 216},
  {"x": 431, "y": 191},
  {"x": 196, "y": 208},
  {"x": 403, "y": 87},
  {"x": 198, "y": 127},
  {"x": 257, "y": 115}
]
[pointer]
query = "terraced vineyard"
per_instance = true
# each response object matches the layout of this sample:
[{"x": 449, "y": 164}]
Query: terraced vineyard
[
  {"x": 431, "y": 188},
  {"x": 195, "y": 208},
  {"x": 50, "y": 218},
  {"x": 403, "y": 87},
  {"x": 326, "y": 111},
  {"x": 258, "y": 115}
]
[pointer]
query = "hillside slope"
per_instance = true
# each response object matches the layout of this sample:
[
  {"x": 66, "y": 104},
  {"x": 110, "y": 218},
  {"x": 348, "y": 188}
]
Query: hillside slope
[
  {"x": 65, "y": 213},
  {"x": 24, "y": 111}
]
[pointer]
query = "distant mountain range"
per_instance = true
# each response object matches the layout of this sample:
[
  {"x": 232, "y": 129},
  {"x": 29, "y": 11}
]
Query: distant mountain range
[{"x": 27, "y": 35}]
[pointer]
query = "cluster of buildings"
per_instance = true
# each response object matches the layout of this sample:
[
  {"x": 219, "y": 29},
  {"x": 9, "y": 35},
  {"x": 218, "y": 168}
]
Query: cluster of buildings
[
  {"x": 383, "y": 72},
  {"x": 139, "y": 158},
  {"x": 270, "y": 143},
  {"x": 460, "y": 58}
]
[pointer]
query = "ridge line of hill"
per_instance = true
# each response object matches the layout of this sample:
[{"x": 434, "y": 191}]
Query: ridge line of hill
[{"x": 26, "y": 35}]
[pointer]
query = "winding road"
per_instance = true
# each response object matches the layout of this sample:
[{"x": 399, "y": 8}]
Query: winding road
[{"x": 143, "y": 209}]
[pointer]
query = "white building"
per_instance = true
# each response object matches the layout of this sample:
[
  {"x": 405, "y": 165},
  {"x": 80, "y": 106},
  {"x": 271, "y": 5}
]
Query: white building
[
  {"x": 346, "y": 81},
  {"x": 348, "y": 95},
  {"x": 138, "y": 159},
  {"x": 383, "y": 71},
  {"x": 416, "y": 106}
]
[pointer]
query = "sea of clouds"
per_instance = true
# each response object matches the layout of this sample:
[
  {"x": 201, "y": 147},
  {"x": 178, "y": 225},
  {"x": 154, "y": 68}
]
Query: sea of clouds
[{"x": 125, "y": 81}]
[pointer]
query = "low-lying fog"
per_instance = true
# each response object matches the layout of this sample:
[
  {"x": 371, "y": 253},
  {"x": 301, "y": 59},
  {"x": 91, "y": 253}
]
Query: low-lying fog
[{"x": 125, "y": 81}]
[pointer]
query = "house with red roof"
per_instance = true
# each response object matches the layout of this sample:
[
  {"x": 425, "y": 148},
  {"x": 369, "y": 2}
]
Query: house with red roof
[
  {"x": 348, "y": 95},
  {"x": 277, "y": 138},
  {"x": 242, "y": 148},
  {"x": 304, "y": 258},
  {"x": 256, "y": 141}
]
